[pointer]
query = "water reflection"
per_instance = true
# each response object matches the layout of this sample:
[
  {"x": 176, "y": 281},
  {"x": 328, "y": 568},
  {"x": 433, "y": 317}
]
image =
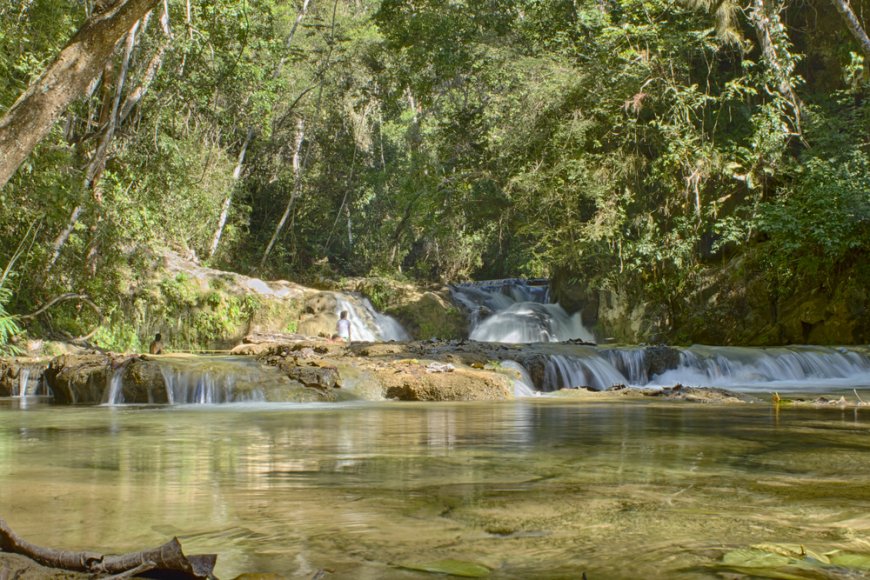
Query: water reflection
[{"x": 529, "y": 489}]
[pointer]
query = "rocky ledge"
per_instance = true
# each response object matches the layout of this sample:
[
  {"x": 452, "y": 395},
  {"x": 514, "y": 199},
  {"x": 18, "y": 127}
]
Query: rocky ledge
[{"x": 294, "y": 368}]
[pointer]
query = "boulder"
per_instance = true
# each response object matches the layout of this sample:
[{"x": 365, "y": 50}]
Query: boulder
[
  {"x": 79, "y": 379},
  {"x": 660, "y": 359},
  {"x": 313, "y": 376},
  {"x": 430, "y": 315},
  {"x": 143, "y": 382},
  {"x": 416, "y": 381},
  {"x": 318, "y": 317}
]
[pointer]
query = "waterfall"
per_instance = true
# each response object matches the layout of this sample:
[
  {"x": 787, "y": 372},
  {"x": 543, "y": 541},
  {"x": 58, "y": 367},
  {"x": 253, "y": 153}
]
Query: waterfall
[
  {"x": 527, "y": 322},
  {"x": 23, "y": 380},
  {"x": 366, "y": 323},
  {"x": 30, "y": 381},
  {"x": 204, "y": 382},
  {"x": 523, "y": 385},
  {"x": 113, "y": 394},
  {"x": 765, "y": 368},
  {"x": 514, "y": 311},
  {"x": 588, "y": 371},
  {"x": 799, "y": 368},
  {"x": 630, "y": 363}
]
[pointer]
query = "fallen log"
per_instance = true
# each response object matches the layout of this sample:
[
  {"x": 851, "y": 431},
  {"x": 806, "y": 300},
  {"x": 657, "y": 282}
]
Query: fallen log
[{"x": 166, "y": 558}]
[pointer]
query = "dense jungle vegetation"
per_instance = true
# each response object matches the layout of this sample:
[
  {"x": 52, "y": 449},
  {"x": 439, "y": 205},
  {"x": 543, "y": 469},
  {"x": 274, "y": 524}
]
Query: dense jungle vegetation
[{"x": 615, "y": 144}]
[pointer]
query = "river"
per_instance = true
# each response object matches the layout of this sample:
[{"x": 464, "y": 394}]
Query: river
[{"x": 534, "y": 488}]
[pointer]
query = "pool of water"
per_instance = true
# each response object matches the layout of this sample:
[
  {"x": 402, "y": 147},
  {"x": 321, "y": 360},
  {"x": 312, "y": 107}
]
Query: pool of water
[{"x": 530, "y": 489}]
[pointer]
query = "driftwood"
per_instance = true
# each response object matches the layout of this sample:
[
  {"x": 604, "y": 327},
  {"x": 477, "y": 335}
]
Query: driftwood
[{"x": 165, "y": 558}]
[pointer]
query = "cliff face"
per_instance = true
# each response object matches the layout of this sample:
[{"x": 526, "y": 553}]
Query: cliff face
[{"x": 735, "y": 304}]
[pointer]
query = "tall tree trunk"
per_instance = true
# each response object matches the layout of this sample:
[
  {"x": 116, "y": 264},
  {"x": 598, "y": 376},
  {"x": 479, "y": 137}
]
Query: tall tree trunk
[
  {"x": 151, "y": 70},
  {"x": 225, "y": 209},
  {"x": 768, "y": 24},
  {"x": 65, "y": 79},
  {"x": 289, "y": 40},
  {"x": 98, "y": 162},
  {"x": 854, "y": 25},
  {"x": 297, "y": 187},
  {"x": 61, "y": 239}
]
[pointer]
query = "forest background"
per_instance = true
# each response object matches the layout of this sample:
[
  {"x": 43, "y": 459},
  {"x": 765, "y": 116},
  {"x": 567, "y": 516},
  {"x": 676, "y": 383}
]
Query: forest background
[{"x": 705, "y": 159}]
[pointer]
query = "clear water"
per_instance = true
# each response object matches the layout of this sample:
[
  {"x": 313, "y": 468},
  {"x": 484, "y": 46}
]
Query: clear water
[{"x": 532, "y": 489}]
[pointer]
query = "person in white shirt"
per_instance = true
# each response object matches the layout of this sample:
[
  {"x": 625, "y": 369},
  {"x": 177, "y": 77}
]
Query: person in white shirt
[{"x": 343, "y": 326}]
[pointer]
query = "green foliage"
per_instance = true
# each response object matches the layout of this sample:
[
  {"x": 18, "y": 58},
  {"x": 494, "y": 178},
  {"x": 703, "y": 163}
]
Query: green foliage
[
  {"x": 632, "y": 144},
  {"x": 9, "y": 327},
  {"x": 822, "y": 216}
]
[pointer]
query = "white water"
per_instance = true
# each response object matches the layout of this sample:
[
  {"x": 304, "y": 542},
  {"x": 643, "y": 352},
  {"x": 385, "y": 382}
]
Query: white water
[
  {"x": 23, "y": 380},
  {"x": 113, "y": 394},
  {"x": 30, "y": 384},
  {"x": 523, "y": 385},
  {"x": 512, "y": 311},
  {"x": 191, "y": 383},
  {"x": 366, "y": 323},
  {"x": 589, "y": 371},
  {"x": 799, "y": 368},
  {"x": 527, "y": 322}
]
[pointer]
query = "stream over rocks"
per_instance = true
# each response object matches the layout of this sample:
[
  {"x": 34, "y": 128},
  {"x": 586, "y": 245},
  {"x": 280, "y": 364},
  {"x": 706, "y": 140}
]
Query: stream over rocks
[
  {"x": 519, "y": 346},
  {"x": 517, "y": 311},
  {"x": 304, "y": 371}
]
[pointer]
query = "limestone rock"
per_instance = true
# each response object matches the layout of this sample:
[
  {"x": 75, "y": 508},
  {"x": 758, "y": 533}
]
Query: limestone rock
[
  {"x": 660, "y": 359},
  {"x": 79, "y": 379},
  {"x": 318, "y": 317},
  {"x": 143, "y": 383},
  {"x": 414, "y": 383},
  {"x": 430, "y": 315}
]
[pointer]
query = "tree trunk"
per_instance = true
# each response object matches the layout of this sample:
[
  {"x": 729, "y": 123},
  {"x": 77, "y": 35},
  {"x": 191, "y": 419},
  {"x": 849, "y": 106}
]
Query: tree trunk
[
  {"x": 225, "y": 209},
  {"x": 150, "y": 71},
  {"x": 764, "y": 18},
  {"x": 98, "y": 163},
  {"x": 854, "y": 26},
  {"x": 297, "y": 187},
  {"x": 289, "y": 41},
  {"x": 167, "y": 558},
  {"x": 61, "y": 239},
  {"x": 65, "y": 79}
]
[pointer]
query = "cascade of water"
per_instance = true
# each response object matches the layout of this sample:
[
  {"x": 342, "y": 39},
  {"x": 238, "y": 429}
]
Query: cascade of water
[
  {"x": 367, "y": 324},
  {"x": 523, "y": 385},
  {"x": 187, "y": 386},
  {"x": 588, "y": 371},
  {"x": 513, "y": 311},
  {"x": 526, "y": 322},
  {"x": 631, "y": 363},
  {"x": 753, "y": 367},
  {"x": 740, "y": 368},
  {"x": 113, "y": 395},
  {"x": 23, "y": 381}
]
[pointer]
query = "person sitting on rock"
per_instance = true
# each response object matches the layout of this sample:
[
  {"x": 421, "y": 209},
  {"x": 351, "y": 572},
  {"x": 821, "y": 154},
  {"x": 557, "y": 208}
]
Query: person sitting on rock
[
  {"x": 343, "y": 326},
  {"x": 156, "y": 345}
]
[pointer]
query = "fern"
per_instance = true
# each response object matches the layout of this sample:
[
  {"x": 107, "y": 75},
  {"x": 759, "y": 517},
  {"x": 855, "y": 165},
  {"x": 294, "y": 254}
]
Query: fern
[{"x": 8, "y": 326}]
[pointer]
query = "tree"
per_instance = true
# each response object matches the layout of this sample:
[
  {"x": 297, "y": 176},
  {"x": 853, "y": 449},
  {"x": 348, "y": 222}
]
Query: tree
[
  {"x": 854, "y": 25},
  {"x": 65, "y": 79}
]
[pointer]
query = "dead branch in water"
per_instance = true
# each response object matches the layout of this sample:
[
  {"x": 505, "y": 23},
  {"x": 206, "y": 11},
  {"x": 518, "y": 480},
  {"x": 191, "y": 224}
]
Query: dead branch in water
[{"x": 167, "y": 557}]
